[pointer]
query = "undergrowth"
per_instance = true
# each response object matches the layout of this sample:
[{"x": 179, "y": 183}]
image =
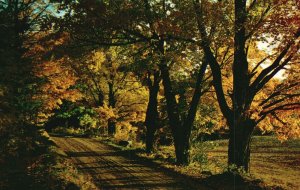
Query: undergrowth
[{"x": 43, "y": 167}]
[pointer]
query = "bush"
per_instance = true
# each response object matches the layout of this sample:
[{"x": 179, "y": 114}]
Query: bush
[
  {"x": 198, "y": 152},
  {"x": 68, "y": 131}
]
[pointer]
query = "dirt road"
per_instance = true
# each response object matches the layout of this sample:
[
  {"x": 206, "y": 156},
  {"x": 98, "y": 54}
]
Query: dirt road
[{"x": 110, "y": 169}]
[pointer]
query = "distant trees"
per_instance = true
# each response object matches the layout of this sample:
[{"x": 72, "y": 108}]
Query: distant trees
[{"x": 111, "y": 86}]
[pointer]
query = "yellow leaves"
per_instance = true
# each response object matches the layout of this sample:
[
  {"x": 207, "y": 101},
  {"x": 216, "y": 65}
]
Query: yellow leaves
[
  {"x": 124, "y": 129},
  {"x": 59, "y": 102},
  {"x": 43, "y": 117},
  {"x": 177, "y": 97},
  {"x": 289, "y": 126},
  {"x": 71, "y": 95},
  {"x": 105, "y": 113},
  {"x": 59, "y": 78},
  {"x": 97, "y": 59},
  {"x": 286, "y": 126},
  {"x": 265, "y": 126}
]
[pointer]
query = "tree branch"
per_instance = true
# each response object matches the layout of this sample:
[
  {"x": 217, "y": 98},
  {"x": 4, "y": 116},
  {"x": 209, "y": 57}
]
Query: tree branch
[
  {"x": 288, "y": 106},
  {"x": 288, "y": 96},
  {"x": 261, "y": 19},
  {"x": 272, "y": 74},
  {"x": 251, "y": 6},
  {"x": 277, "y": 118},
  {"x": 266, "y": 71},
  {"x": 252, "y": 73},
  {"x": 214, "y": 65},
  {"x": 278, "y": 92}
]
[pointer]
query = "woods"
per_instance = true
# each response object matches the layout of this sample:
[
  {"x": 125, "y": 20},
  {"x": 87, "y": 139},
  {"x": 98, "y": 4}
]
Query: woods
[{"x": 150, "y": 73}]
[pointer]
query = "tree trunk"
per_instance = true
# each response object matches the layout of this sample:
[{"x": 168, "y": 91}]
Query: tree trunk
[
  {"x": 100, "y": 101},
  {"x": 181, "y": 127},
  {"x": 239, "y": 143},
  {"x": 181, "y": 142},
  {"x": 173, "y": 114},
  {"x": 182, "y": 147},
  {"x": 152, "y": 117},
  {"x": 150, "y": 133},
  {"x": 111, "y": 124}
]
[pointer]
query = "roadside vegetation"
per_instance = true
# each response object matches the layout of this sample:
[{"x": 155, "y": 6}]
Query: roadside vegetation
[
  {"x": 273, "y": 163},
  {"x": 42, "y": 166}
]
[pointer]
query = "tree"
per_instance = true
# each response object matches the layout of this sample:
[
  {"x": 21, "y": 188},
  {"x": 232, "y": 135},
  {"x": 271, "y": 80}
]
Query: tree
[
  {"x": 20, "y": 22},
  {"x": 253, "y": 22},
  {"x": 56, "y": 77},
  {"x": 153, "y": 24},
  {"x": 105, "y": 71},
  {"x": 152, "y": 115}
]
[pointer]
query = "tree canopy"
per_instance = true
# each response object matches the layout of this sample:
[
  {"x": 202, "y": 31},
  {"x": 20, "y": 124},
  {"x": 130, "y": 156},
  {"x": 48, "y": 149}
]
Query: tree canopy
[{"x": 137, "y": 70}]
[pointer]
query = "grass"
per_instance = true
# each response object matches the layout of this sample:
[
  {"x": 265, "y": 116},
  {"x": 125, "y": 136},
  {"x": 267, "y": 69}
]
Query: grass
[
  {"x": 273, "y": 163},
  {"x": 64, "y": 131}
]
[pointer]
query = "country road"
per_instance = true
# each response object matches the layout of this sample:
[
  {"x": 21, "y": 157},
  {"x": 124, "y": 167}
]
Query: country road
[{"x": 110, "y": 169}]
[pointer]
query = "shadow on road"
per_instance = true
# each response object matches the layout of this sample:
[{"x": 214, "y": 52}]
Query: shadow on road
[{"x": 112, "y": 168}]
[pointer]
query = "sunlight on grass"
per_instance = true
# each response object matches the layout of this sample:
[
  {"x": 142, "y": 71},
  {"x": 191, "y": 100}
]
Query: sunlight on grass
[{"x": 273, "y": 162}]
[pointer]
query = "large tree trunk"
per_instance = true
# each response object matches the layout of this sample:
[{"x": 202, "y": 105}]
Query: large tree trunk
[
  {"x": 150, "y": 134},
  {"x": 181, "y": 140},
  {"x": 173, "y": 116},
  {"x": 111, "y": 125},
  {"x": 239, "y": 143},
  {"x": 242, "y": 126},
  {"x": 181, "y": 127},
  {"x": 182, "y": 146},
  {"x": 152, "y": 117},
  {"x": 174, "y": 119}
]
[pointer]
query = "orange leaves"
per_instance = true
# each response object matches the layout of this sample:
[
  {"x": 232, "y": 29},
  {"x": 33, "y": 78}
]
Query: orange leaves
[
  {"x": 286, "y": 126},
  {"x": 105, "y": 112},
  {"x": 167, "y": 26},
  {"x": 283, "y": 20},
  {"x": 59, "y": 81},
  {"x": 58, "y": 78}
]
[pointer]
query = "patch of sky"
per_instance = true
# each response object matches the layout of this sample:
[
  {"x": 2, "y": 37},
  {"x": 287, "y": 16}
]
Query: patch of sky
[{"x": 268, "y": 45}]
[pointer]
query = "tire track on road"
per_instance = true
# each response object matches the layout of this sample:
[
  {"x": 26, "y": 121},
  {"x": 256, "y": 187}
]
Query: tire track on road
[{"x": 109, "y": 169}]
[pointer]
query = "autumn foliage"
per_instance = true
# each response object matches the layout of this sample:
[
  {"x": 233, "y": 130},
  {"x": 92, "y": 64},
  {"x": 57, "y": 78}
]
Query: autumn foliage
[{"x": 153, "y": 70}]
